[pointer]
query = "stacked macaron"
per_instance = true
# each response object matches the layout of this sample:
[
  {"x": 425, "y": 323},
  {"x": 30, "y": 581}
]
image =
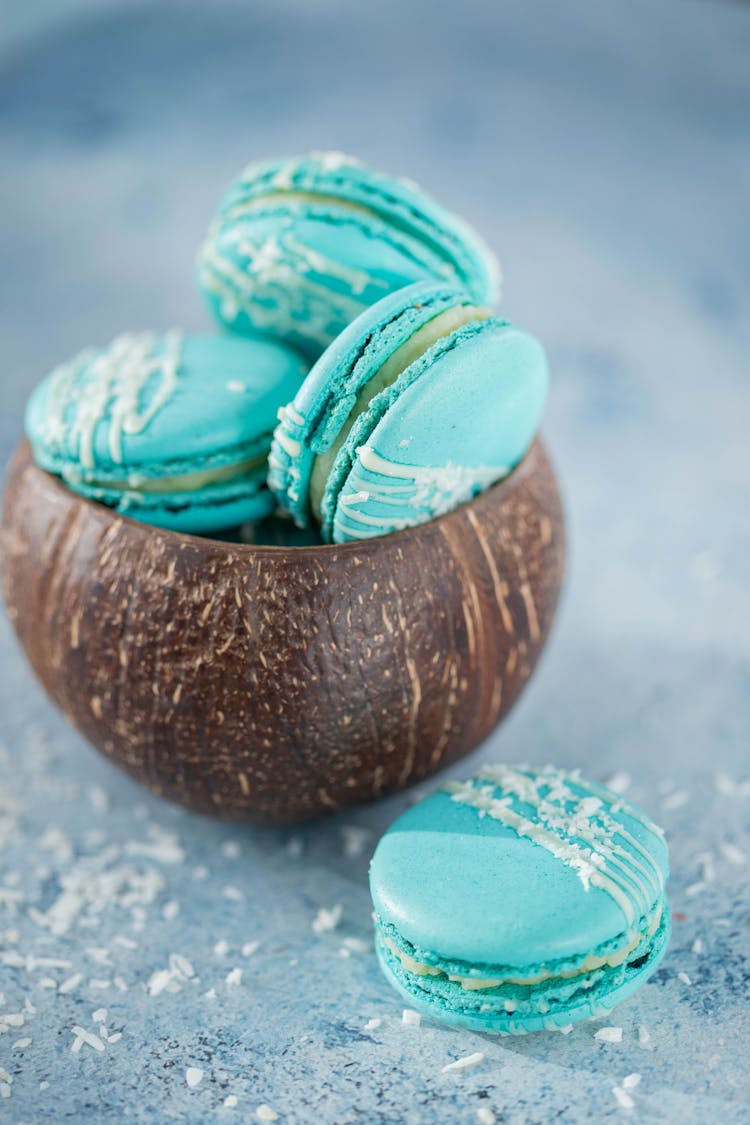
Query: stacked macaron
[{"x": 418, "y": 399}]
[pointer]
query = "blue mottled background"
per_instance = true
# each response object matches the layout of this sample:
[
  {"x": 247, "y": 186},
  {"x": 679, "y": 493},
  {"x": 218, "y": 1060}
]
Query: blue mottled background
[{"x": 604, "y": 150}]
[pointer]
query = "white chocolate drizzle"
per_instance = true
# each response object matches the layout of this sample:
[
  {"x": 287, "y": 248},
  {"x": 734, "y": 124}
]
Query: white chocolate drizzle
[
  {"x": 425, "y": 491},
  {"x": 110, "y": 387},
  {"x": 580, "y": 831}
]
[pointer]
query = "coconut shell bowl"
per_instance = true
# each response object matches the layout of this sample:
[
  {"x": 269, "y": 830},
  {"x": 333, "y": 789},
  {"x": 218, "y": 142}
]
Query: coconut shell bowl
[{"x": 275, "y": 684}]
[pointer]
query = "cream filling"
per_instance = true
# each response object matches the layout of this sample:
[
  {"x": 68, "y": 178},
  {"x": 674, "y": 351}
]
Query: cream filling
[
  {"x": 476, "y": 984},
  {"x": 261, "y": 201},
  {"x": 422, "y": 340},
  {"x": 184, "y": 482}
]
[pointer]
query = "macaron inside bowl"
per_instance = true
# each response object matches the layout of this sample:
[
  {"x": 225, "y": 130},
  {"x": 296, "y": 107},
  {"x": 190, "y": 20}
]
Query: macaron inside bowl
[
  {"x": 421, "y": 403},
  {"x": 170, "y": 430},
  {"x": 301, "y": 246},
  {"x": 520, "y": 900}
]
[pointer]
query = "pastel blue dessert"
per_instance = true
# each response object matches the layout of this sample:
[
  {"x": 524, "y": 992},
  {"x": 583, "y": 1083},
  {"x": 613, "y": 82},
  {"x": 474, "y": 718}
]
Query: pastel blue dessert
[
  {"x": 172, "y": 431},
  {"x": 301, "y": 246},
  {"x": 520, "y": 900},
  {"x": 422, "y": 402}
]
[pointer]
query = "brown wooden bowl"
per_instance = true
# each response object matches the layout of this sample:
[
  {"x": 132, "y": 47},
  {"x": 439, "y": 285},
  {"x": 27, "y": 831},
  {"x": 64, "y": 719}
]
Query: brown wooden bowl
[{"x": 276, "y": 684}]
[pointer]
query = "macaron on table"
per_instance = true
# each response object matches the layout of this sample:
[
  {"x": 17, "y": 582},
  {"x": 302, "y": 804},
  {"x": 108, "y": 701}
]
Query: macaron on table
[{"x": 520, "y": 900}]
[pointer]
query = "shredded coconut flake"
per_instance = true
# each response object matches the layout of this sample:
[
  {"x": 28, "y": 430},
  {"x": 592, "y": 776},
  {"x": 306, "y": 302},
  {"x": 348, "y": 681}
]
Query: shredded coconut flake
[
  {"x": 732, "y": 854},
  {"x": 193, "y": 1076},
  {"x": 630, "y": 1081},
  {"x": 325, "y": 921},
  {"x": 373, "y": 1024},
  {"x": 644, "y": 1036},
  {"x": 622, "y": 1097},
  {"x": 609, "y": 1035},
  {"x": 230, "y": 1101},
  {"x": 70, "y": 983},
  {"x": 234, "y": 978},
  {"x": 728, "y": 787},
  {"x": 619, "y": 782},
  {"x": 485, "y": 1116},
  {"x": 354, "y": 839},
  {"x": 249, "y": 948},
  {"x": 675, "y": 800},
  {"x": 684, "y": 978},
  {"x": 410, "y": 1018},
  {"x": 265, "y": 1113},
  {"x": 464, "y": 1062},
  {"x": 82, "y": 1036}
]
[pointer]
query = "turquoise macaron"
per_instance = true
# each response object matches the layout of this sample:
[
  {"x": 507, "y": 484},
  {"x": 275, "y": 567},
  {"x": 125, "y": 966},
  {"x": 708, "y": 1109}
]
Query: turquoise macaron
[
  {"x": 170, "y": 430},
  {"x": 423, "y": 401},
  {"x": 520, "y": 900},
  {"x": 301, "y": 246}
]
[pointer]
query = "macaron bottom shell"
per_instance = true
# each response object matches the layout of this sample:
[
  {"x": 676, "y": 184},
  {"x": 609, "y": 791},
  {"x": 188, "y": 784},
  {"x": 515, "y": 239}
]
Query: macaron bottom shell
[
  {"x": 554, "y": 1004},
  {"x": 204, "y": 511}
]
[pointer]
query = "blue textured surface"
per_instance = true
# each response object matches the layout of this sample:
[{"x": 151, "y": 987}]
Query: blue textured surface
[{"x": 603, "y": 151}]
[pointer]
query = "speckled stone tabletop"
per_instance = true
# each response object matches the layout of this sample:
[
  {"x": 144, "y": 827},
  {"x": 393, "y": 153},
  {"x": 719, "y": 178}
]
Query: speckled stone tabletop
[{"x": 156, "y": 966}]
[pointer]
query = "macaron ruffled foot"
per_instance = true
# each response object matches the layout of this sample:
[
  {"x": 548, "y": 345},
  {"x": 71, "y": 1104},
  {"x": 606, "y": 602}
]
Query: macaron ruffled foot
[{"x": 520, "y": 900}]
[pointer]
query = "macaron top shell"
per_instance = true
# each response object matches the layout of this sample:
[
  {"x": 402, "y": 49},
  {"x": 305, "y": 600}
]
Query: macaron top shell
[
  {"x": 301, "y": 246},
  {"x": 151, "y": 404},
  {"x": 520, "y": 869}
]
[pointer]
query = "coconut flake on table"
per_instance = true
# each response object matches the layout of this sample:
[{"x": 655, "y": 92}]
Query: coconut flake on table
[
  {"x": 327, "y": 920},
  {"x": 728, "y": 787},
  {"x": 234, "y": 894},
  {"x": 249, "y": 948},
  {"x": 732, "y": 854},
  {"x": 608, "y": 1035},
  {"x": 193, "y": 1076},
  {"x": 622, "y": 1097},
  {"x": 354, "y": 839},
  {"x": 619, "y": 782},
  {"x": 674, "y": 800},
  {"x": 172, "y": 979},
  {"x": 81, "y": 1037},
  {"x": 644, "y": 1036},
  {"x": 265, "y": 1113},
  {"x": 684, "y": 978},
  {"x": 464, "y": 1062},
  {"x": 410, "y": 1018},
  {"x": 234, "y": 978}
]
